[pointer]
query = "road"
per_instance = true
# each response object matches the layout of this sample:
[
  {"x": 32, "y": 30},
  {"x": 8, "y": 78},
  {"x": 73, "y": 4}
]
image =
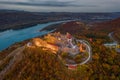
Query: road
[
  {"x": 89, "y": 50},
  {"x": 111, "y": 37},
  {"x": 114, "y": 41}
]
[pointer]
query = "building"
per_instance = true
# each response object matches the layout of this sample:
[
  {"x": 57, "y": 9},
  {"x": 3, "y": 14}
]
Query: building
[
  {"x": 82, "y": 48},
  {"x": 38, "y": 42},
  {"x": 53, "y": 47},
  {"x": 111, "y": 45},
  {"x": 41, "y": 43},
  {"x": 72, "y": 67},
  {"x": 69, "y": 36}
]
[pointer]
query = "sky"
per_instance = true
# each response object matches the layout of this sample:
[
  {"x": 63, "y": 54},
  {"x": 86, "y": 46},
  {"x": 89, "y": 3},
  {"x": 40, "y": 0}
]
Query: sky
[{"x": 62, "y": 5}]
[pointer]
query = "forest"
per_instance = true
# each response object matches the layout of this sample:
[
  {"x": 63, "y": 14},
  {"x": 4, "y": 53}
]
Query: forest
[{"x": 38, "y": 64}]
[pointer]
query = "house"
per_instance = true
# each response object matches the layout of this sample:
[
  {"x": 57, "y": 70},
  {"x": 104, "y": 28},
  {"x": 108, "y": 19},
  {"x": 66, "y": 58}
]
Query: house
[
  {"x": 70, "y": 39},
  {"x": 72, "y": 67},
  {"x": 53, "y": 47},
  {"x": 69, "y": 36}
]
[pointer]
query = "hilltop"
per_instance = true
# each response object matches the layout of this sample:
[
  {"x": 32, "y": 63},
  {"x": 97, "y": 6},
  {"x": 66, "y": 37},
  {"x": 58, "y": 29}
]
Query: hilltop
[
  {"x": 71, "y": 51},
  {"x": 44, "y": 58}
]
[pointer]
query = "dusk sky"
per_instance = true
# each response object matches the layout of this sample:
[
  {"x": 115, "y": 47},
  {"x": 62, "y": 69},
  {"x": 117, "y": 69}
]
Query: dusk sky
[{"x": 62, "y": 5}]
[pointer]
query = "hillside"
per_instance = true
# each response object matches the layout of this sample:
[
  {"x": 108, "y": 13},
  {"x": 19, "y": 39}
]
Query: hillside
[
  {"x": 38, "y": 64},
  {"x": 109, "y": 26},
  {"x": 112, "y": 25},
  {"x": 34, "y": 64},
  {"x": 21, "y": 62},
  {"x": 38, "y": 59},
  {"x": 117, "y": 35},
  {"x": 72, "y": 27},
  {"x": 20, "y": 19}
]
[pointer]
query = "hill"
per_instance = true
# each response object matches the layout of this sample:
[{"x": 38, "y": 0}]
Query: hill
[
  {"x": 34, "y": 64},
  {"x": 19, "y": 19},
  {"x": 25, "y": 63},
  {"x": 40, "y": 64},
  {"x": 37, "y": 64},
  {"x": 72, "y": 27},
  {"x": 108, "y": 25}
]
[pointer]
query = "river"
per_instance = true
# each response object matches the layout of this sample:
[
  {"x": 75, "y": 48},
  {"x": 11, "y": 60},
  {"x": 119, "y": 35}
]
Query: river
[{"x": 9, "y": 37}]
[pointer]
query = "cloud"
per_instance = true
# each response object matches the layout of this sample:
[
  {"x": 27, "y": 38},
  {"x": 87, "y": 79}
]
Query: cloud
[
  {"x": 47, "y": 3},
  {"x": 62, "y": 5}
]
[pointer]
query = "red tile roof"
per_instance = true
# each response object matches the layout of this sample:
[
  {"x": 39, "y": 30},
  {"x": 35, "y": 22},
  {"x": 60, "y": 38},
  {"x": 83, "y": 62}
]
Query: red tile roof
[{"x": 72, "y": 67}]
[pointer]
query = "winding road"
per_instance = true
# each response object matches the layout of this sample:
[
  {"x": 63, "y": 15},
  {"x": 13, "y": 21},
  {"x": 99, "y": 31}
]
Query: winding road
[
  {"x": 111, "y": 37},
  {"x": 114, "y": 41},
  {"x": 89, "y": 50}
]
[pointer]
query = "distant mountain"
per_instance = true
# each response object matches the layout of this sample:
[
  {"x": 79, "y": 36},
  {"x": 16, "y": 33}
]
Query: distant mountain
[
  {"x": 13, "y": 19},
  {"x": 71, "y": 27},
  {"x": 115, "y": 22}
]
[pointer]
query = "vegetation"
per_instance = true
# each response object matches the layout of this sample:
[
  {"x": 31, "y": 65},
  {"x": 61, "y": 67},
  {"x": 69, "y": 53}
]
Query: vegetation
[
  {"x": 64, "y": 55},
  {"x": 78, "y": 58},
  {"x": 105, "y": 62},
  {"x": 5, "y": 52},
  {"x": 117, "y": 35},
  {"x": 38, "y": 64},
  {"x": 5, "y": 63}
]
